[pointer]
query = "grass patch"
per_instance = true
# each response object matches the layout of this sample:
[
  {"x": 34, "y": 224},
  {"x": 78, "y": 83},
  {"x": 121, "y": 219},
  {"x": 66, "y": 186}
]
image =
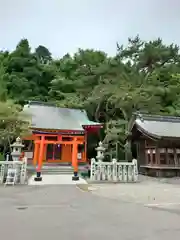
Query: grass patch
[{"x": 85, "y": 175}]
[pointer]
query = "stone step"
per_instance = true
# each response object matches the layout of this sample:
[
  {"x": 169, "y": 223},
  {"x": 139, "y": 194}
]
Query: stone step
[
  {"x": 57, "y": 170},
  {"x": 57, "y": 167},
  {"x": 50, "y": 169},
  {"x": 57, "y": 173},
  {"x": 53, "y": 169}
]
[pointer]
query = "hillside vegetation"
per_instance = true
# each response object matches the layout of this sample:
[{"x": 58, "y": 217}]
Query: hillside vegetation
[{"x": 142, "y": 76}]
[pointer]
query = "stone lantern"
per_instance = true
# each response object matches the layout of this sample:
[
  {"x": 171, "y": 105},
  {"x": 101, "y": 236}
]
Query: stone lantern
[
  {"x": 100, "y": 152},
  {"x": 16, "y": 149}
]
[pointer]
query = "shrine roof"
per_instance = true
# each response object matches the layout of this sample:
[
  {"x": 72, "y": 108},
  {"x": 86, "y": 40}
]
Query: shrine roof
[
  {"x": 157, "y": 126},
  {"x": 49, "y": 116}
]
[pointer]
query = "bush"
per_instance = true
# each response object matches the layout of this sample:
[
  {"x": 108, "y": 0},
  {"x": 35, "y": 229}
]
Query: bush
[{"x": 2, "y": 157}]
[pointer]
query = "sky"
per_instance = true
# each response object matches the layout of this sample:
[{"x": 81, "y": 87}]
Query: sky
[{"x": 66, "y": 25}]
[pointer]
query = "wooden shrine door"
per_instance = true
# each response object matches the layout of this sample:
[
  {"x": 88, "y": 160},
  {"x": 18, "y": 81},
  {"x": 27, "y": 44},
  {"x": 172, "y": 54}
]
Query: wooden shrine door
[{"x": 53, "y": 153}]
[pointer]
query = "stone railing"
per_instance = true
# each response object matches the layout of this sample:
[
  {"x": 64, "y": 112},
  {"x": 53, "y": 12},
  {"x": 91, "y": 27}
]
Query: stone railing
[
  {"x": 13, "y": 172},
  {"x": 114, "y": 171}
]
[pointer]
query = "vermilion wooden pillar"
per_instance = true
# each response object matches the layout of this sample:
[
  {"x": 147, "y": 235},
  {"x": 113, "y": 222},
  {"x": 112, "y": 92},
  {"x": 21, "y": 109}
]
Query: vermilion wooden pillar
[
  {"x": 45, "y": 152},
  {"x": 75, "y": 160},
  {"x": 36, "y": 152},
  {"x": 40, "y": 160},
  {"x": 85, "y": 145}
]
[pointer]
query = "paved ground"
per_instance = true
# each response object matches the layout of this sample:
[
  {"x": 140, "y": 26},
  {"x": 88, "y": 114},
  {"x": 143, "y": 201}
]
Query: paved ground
[
  {"x": 53, "y": 179},
  {"x": 149, "y": 192},
  {"x": 65, "y": 212}
]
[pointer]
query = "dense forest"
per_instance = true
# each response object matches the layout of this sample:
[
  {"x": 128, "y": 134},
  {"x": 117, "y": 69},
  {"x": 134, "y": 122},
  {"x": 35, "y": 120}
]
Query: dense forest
[{"x": 142, "y": 76}]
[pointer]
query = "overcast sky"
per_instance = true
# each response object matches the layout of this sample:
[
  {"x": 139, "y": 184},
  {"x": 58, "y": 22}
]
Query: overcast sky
[{"x": 65, "y": 25}]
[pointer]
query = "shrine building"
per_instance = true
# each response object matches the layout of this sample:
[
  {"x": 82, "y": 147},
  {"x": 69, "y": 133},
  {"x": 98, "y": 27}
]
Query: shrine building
[
  {"x": 59, "y": 135},
  {"x": 157, "y": 142}
]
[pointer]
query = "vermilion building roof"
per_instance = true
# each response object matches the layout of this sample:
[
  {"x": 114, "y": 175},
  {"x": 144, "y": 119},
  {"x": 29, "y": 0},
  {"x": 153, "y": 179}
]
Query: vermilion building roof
[{"x": 48, "y": 116}]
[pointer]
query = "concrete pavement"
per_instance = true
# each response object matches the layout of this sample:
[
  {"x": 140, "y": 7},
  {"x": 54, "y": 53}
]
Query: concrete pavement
[
  {"x": 55, "y": 179},
  {"x": 65, "y": 212},
  {"x": 149, "y": 192}
]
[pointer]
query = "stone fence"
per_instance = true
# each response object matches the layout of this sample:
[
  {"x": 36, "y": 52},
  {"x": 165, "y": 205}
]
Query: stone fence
[
  {"x": 114, "y": 171},
  {"x": 13, "y": 172}
]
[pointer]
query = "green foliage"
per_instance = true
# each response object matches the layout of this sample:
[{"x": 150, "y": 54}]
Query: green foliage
[
  {"x": 43, "y": 54},
  {"x": 13, "y": 122},
  {"x": 1, "y": 157},
  {"x": 142, "y": 76}
]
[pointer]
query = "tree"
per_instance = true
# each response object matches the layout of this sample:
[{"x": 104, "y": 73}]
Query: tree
[
  {"x": 3, "y": 83},
  {"x": 28, "y": 78},
  {"x": 142, "y": 76},
  {"x": 13, "y": 123},
  {"x": 43, "y": 54}
]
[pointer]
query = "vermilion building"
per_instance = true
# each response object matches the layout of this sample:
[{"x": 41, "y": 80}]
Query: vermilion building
[{"x": 59, "y": 135}]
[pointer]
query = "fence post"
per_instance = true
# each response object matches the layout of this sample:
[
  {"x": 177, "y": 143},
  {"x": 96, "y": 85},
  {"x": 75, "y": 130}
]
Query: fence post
[
  {"x": 120, "y": 172},
  {"x": 2, "y": 172},
  {"x": 114, "y": 173},
  {"x": 23, "y": 171},
  {"x": 130, "y": 172},
  {"x": 93, "y": 169},
  {"x": 99, "y": 170},
  {"x": 135, "y": 170},
  {"x": 125, "y": 172},
  {"x": 110, "y": 172}
]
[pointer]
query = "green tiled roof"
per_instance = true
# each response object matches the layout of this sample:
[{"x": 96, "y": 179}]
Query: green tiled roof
[
  {"x": 47, "y": 116},
  {"x": 158, "y": 126}
]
